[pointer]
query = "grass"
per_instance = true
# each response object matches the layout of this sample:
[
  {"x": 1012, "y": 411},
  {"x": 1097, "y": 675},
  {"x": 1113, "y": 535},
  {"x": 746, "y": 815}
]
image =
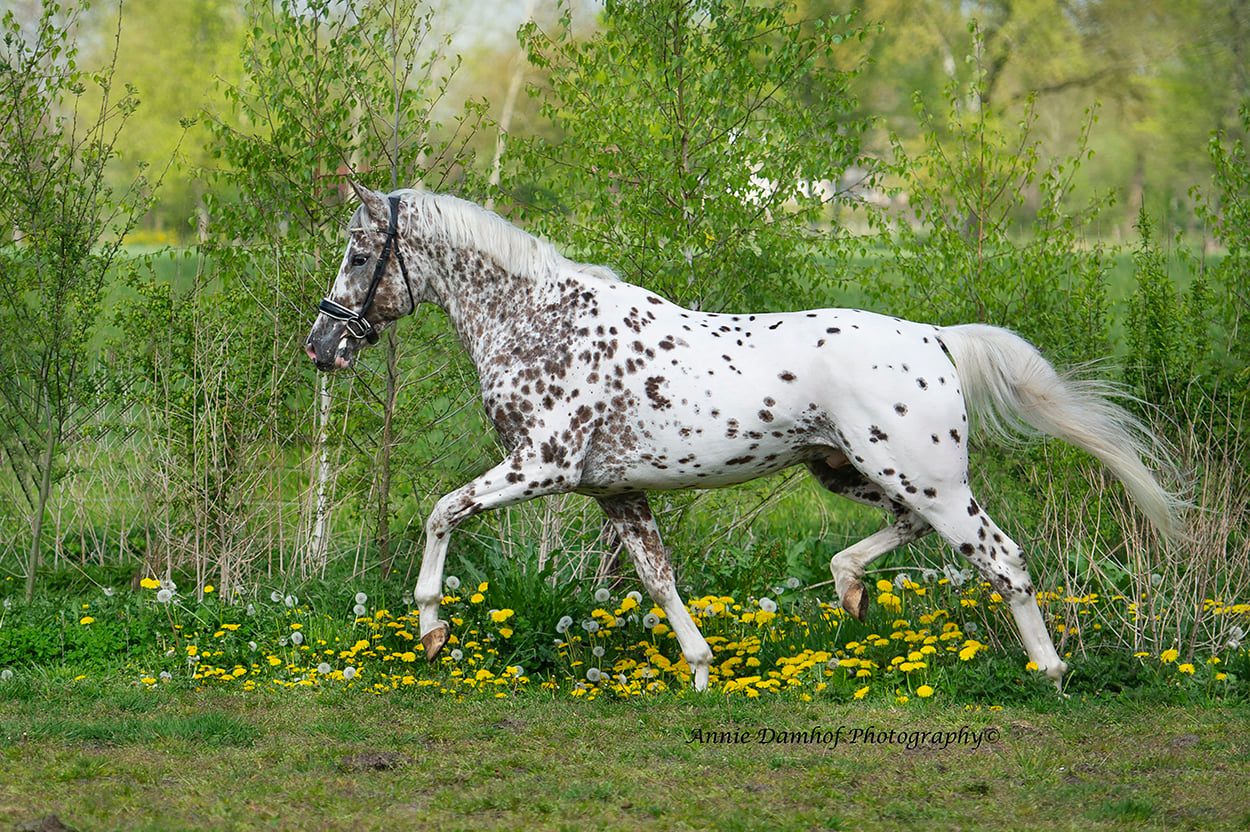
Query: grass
[{"x": 105, "y": 757}]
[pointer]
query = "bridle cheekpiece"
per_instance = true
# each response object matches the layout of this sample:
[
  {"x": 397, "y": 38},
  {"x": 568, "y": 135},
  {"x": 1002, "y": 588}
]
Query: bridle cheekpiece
[{"x": 357, "y": 324}]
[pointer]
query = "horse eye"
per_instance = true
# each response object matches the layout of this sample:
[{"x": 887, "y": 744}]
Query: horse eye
[{"x": 360, "y": 259}]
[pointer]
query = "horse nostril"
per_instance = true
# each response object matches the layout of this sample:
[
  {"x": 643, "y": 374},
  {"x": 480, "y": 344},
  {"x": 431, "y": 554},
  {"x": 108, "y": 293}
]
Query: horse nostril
[{"x": 312, "y": 354}]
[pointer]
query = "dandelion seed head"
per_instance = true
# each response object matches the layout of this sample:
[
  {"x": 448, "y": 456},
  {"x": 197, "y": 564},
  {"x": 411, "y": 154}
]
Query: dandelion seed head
[
  {"x": 650, "y": 620},
  {"x": 251, "y": 645},
  {"x": 349, "y": 673},
  {"x": 598, "y": 651},
  {"x": 361, "y": 598},
  {"x": 768, "y": 605},
  {"x": 457, "y": 655},
  {"x": 590, "y": 625},
  {"x": 290, "y": 600},
  {"x": 324, "y": 669},
  {"x": 251, "y": 609},
  {"x": 593, "y": 675},
  {"x": 275, "y": 596},
  {"x": 282, "y": 641},
  {"x": 6, "y": 675},
  {"x": 618, "y": 622},
  {"x": 602, "y": 594},
  {"x": 793, "y": 582},
  {"x": 166, "y": 676},
  {"x": 635, "y": 596},
  {"x": 971, "y": 627},
  {"x": 359, "y": 610},
  {"x": 562, "y": 626},
  {"x": 164, "y": 596},
  {"x": 452, "y": 582},
  {"x": 108, "y": 592},
  {"x": 297, "y": 638}
]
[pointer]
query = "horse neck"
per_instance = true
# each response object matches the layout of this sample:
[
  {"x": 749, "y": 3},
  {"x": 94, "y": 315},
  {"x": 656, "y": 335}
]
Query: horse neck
[{"x": 481, "y": 298}]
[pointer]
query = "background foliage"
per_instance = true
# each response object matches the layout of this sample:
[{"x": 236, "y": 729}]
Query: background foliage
[{"x": 1024, "y": 164}]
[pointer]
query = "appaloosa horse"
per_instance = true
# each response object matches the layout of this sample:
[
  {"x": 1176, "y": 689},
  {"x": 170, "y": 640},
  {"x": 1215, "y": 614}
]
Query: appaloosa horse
[{"x": 603, "y": 388}]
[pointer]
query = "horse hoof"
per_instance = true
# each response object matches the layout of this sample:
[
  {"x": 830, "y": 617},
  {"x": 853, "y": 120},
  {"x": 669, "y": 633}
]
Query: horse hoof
[
  {"x": 855, "y": 601},
  {"x": 434, "y": 640}
]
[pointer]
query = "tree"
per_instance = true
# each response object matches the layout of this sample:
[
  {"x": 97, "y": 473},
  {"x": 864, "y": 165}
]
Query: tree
[
  {"x": 64, "y": 225},
  {"x": 698, "y": 144}
]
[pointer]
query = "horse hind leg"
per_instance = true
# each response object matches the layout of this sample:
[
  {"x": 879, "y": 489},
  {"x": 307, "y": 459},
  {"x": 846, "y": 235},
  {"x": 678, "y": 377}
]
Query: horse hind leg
[
  {"x": 631, "y": 516},
  {"x": 972, "y": 533},
  {"x": 835, "y": 474}
]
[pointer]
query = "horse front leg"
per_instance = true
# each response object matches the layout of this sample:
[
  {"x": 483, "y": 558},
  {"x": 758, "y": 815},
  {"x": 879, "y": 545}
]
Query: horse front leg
[
  {"x": 631, "y": 516},
  {"x": 516, "y": 479}
]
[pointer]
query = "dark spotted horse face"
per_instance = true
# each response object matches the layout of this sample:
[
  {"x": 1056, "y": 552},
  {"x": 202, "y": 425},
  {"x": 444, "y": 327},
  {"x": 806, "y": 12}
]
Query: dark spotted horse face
[{"x": 380, "y": 280}]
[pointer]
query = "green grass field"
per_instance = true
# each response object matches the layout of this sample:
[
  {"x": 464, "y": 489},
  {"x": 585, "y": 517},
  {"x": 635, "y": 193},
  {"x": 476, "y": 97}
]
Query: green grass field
[{"x": 121, "y": 758}]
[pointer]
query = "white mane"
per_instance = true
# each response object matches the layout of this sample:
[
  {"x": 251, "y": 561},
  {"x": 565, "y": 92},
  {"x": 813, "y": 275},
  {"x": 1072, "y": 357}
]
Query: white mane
[{"x": 464, "y": 224}]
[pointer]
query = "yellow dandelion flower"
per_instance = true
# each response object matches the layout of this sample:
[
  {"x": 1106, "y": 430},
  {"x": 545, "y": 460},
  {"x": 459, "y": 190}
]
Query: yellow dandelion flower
[
  {"x": 924, "y": 691},
  {"x": 1185, "y": 668},
  {"x": 500, "y": 616},
  {"x": 483, "y": 586},
  {"x": 150, "y": 583},
  {"x": 477, "y": 598},
  {"x": 1169, "y": 656},
  {"x": 86, "y": 619},
  {"x": 209, "y": 589},
  {"x": 506, "y": 632},
  {"x": 862, "y": 692},
  {"x": 1031, "y": 666}
]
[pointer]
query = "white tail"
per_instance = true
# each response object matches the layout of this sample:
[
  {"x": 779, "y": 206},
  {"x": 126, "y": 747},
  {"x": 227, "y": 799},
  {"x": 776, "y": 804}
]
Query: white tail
[{"x": 1011, "y": 388}]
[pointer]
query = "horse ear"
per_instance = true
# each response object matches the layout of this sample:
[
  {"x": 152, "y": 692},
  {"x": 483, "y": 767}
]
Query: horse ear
[{"x": 374, "y": 202}]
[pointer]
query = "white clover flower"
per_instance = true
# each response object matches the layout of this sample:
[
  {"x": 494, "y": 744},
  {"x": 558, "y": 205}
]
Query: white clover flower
[
  {"x": 635, "y": 595},
  {"x": 324, "y": 669},
  {"x": 768, "y": 605},
  {"x": 457, "y": 655},
  {"x": 452, "y": 582},
  {"x": 361, "y": 598},
  {"x": 562, "y": 626},
  {"x": 164, "y": 596},
  {"x": 650, "y": 620},
  {"x": 793, "y": 582},
  {"x": 166, "y": 676},
  {"x": 108, "y": 592},
  {"x": 297, "y": 638},
  {"x": 6, "y": 675},
  {"x": 590, "y": 625},
  {"x": 290, "y": 600},
  {"x": 251, "y": 609},
  {"x": 598, "y": 651},
  {"x": 251, "y": 645},
  {"x": 602, "y": 594},
  {"x": 359, "y": 610},
  {"x": 349, "y": 673},
  {"x": 593, "y": 675},
  {"x": 275, "y": 596}
]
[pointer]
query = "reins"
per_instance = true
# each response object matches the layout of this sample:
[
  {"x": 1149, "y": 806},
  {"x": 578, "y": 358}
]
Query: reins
[{"x": 357, "y": 324}]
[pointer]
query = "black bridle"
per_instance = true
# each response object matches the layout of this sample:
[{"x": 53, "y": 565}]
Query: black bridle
[{"x": 357, "y": 324}]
